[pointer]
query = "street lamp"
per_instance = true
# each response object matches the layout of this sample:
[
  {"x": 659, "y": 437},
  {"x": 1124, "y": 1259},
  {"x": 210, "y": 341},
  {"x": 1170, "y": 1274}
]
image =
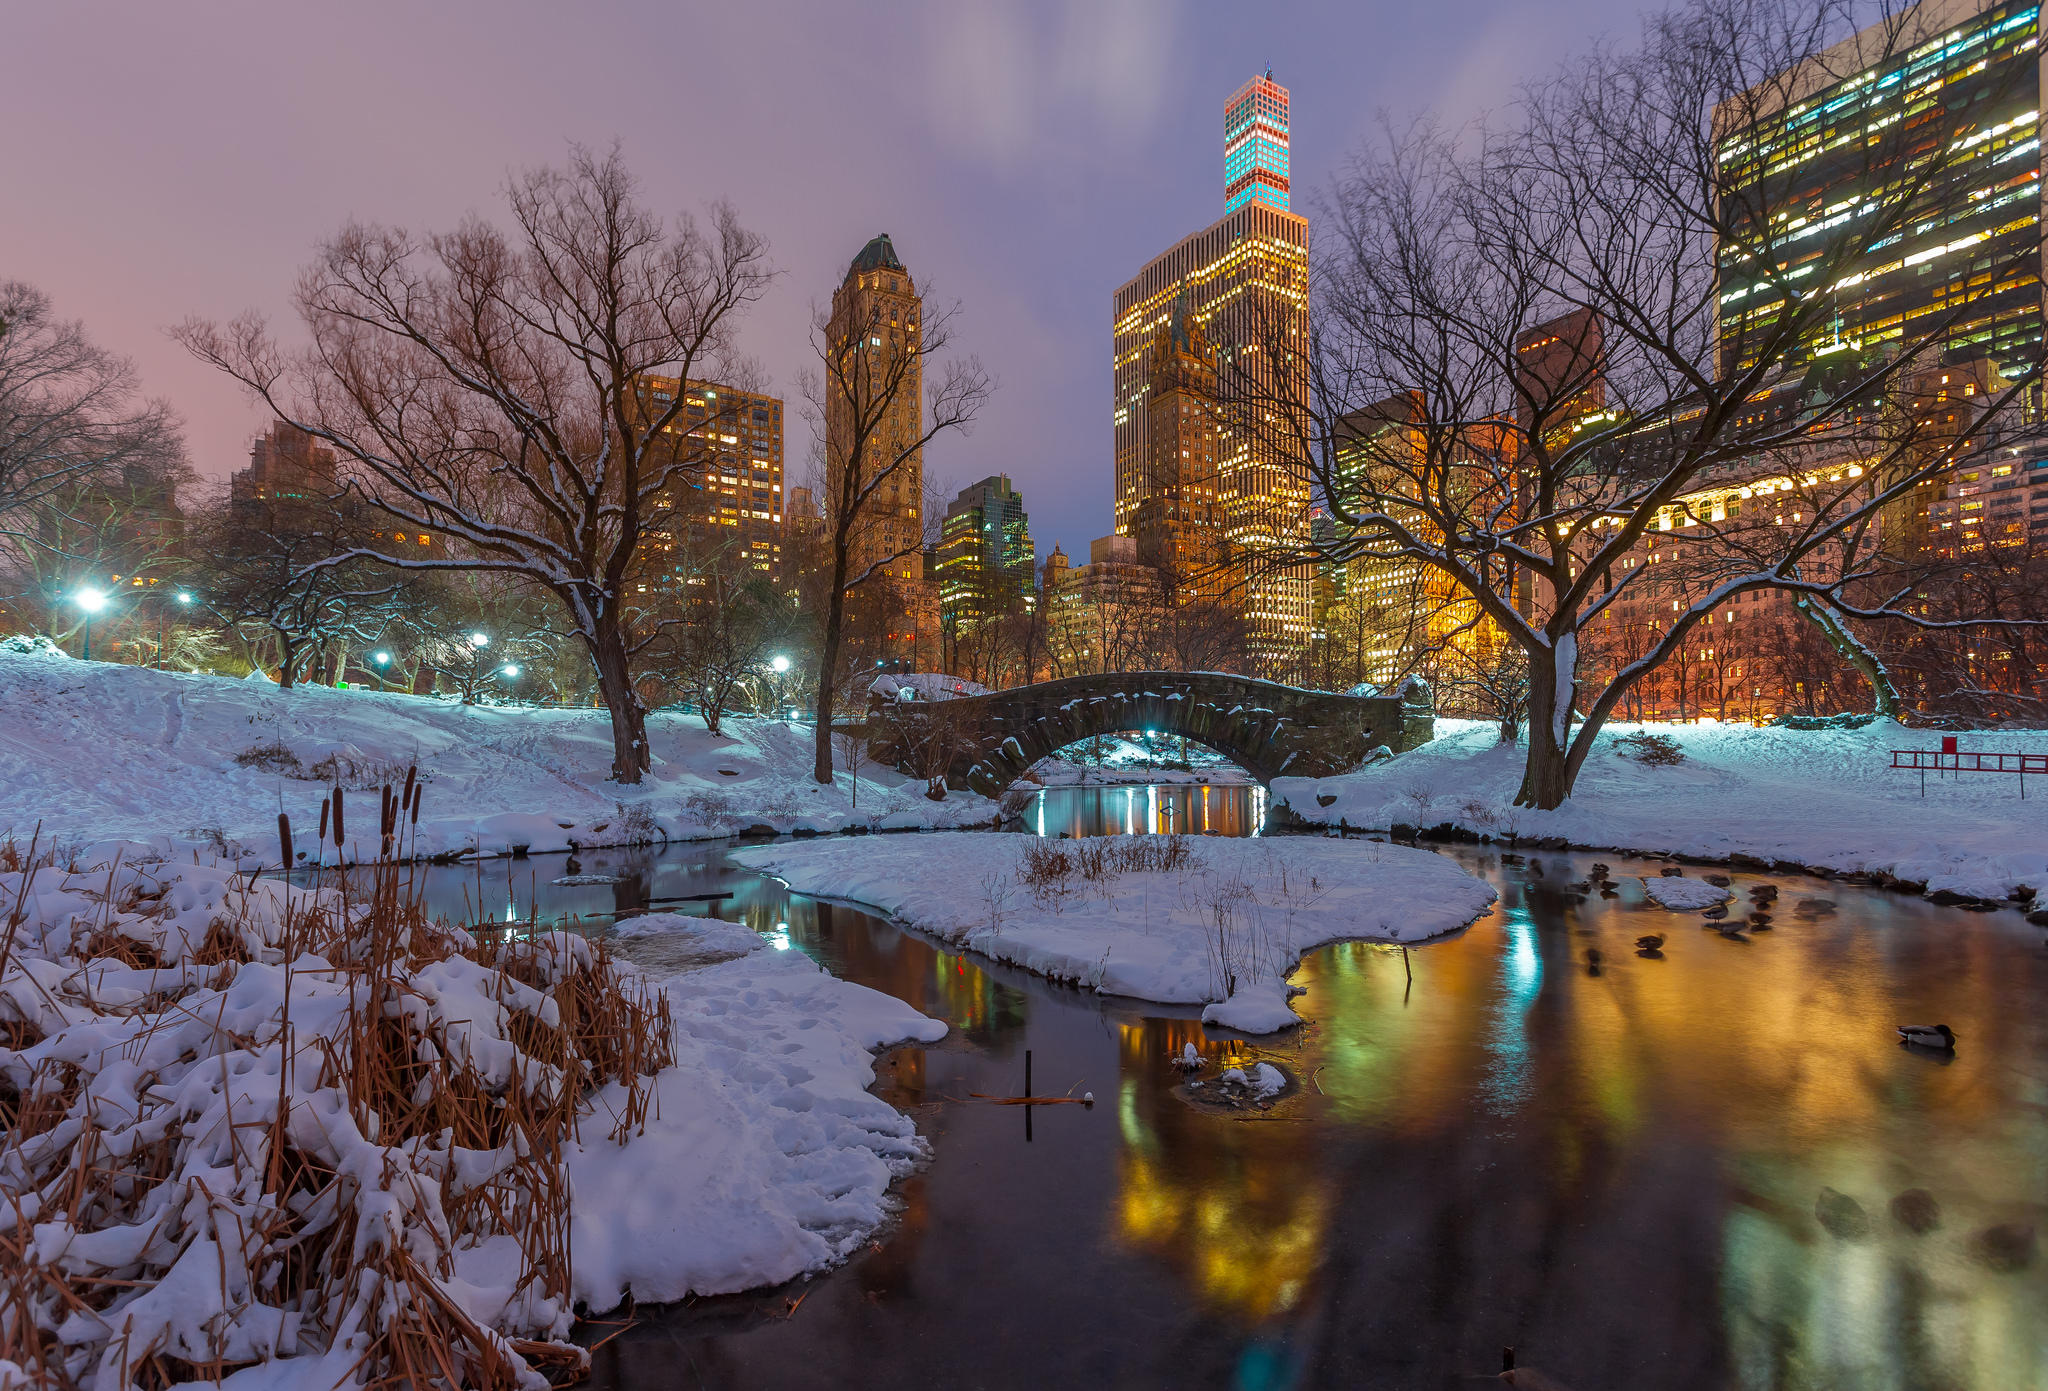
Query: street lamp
[
  {"x": 779, "y": 665},
  {"x": 92, "y": 601},
  {"x": 512, "y": 671},
  {"x": 382, "y": 659},
  {"x": 479, "y": 639}
]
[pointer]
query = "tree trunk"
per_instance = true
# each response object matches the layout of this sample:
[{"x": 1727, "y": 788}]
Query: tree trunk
[
  {"x": 288, "y": 657},
  {"x": 1547, "y": 770},
  {"x": 828, "y": 663},
  {"x": 1885, "y": 701},
  {"x": 621, "y": 701}
]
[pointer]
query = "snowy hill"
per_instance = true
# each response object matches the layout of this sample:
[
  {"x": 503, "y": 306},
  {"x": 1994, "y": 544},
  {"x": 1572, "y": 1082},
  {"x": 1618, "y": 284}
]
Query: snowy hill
[
  {"x": 1824, "y": 797},
  {"x": 97, "y": 752}
]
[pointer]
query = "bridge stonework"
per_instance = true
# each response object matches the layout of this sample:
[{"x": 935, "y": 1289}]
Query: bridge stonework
[{"x": 986, "y": 742}]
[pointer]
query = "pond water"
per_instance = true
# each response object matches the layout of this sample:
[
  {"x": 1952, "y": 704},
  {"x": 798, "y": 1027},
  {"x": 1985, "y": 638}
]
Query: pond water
[{"x": 1676, "y": 1171}]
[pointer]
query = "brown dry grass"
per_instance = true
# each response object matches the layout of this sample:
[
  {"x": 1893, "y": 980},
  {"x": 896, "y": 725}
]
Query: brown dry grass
[{"x": 407, "y": 1085}]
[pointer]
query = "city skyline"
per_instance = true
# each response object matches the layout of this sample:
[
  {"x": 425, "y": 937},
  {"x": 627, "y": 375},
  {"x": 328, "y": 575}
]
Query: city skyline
[{"x": 1083, "y": 140}]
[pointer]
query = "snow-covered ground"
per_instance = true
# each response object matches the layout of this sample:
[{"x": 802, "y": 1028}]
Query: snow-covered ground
[
  {"x": 98, "y": 752},
  {"x": 1223, "y": 929},
  {"x": 168, "y": 1019},
  {"x": 1827, "y": 798},
  {"x": 767, "y": 1157}
]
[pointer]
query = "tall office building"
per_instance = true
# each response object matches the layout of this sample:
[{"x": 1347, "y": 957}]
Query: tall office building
[
  {"x": 1177, "y": 524},
  {"x": 1244, "y": 281},
  {"x": 1837, "y": 131},
  {"x": 1823, "y": 139},
  {"x": 984, "y": 562},
  {"x": 875, "y": 316}
]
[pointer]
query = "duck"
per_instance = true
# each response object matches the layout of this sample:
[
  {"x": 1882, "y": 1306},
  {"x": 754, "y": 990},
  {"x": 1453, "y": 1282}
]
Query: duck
[
  {"x": 1650, "y": 942},
  {"x": 1928, "y": 1036}
]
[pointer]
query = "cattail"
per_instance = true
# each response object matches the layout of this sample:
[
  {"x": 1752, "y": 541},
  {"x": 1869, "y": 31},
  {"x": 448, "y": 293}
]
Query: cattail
[
  {"x": 323, "y": 819},
  {"x": 284, "y": 839},
  {"x": 419, "y": 794},
  {"x": 338, "y": 834},
  {"x": 412, "y": 773},
  {"x": 389, "y": 821}
]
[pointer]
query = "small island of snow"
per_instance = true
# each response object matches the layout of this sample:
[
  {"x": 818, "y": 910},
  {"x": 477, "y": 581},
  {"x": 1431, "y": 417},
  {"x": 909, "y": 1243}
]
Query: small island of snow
[{"x": 1178, "y": 919}]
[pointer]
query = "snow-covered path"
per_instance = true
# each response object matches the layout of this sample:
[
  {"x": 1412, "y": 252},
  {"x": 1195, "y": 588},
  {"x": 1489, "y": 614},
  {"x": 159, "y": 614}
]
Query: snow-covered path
[
  {"x": 1224, "y": 929},
  {"x": 1825, "y": 798},
  {"x": 98, "y": 752}
]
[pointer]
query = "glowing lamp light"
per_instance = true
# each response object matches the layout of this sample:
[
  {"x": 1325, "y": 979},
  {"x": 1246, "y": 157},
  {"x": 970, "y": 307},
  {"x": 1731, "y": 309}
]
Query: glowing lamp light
[
  {"x": 479, "y": 639},
  {"x": 779, "y": 665},
  {"x": 512, "y": 671},
  {"x": 382, "y": 659},
  {"x": 90, "y": 599},
  {"x": 185, "y": 597}
]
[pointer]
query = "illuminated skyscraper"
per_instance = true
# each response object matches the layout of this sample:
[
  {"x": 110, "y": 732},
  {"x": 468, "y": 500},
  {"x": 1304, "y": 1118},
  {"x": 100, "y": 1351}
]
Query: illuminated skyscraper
[
  {"x": 1255, "y": 145},
  {"x": 1244, "y": 281}
]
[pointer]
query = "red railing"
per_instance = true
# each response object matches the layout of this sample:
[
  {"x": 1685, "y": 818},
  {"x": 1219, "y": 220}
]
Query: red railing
[{"x": 1949, "y": 759}]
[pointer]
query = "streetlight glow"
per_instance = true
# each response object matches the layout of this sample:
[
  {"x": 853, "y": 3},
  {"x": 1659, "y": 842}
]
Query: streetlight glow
[
  {"x": 382, "y": 659},
  {"x": 185, "y": 596},
  {"x": 479, "y": 639},
  {"x": 512, "y": 671},
  {"x": 779, "y": 665},
  {"x": 90, "y": 599}
]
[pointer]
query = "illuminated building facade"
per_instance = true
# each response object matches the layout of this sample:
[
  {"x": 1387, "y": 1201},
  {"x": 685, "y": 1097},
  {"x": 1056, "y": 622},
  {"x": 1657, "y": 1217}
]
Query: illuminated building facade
[
  {"x": 876, "y": 310},
  {"x": 731, "y": 505},
  {"x": 1255, "y": 145},
  {"x": 1244, "y": 282},
  {"x": 1807, "y": 166},
  {"x": 878, "y": 381},
  {"x": 984, "y": 562},
  {"x": 1177, "y": 524}
]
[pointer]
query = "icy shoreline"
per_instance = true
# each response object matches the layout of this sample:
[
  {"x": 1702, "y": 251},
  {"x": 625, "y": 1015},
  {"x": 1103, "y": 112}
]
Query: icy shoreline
[
  {"x": 214, "y": 1028},
  {"x": 1222, "y": 930},
  {"x": 1822, "y": 801}
]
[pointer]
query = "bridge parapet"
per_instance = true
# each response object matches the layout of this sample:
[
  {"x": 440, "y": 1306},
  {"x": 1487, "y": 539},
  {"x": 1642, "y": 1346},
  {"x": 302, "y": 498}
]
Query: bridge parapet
[{"x": 986, "y": 742}]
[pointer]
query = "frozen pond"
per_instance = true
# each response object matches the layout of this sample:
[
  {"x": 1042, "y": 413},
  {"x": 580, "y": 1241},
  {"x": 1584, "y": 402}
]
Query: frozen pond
[{"x": 1678, "y": 1171}]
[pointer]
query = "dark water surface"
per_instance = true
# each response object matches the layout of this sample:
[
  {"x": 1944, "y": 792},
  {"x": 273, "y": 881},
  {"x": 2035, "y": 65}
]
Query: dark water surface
[{"x": 1672, "y": 1172}]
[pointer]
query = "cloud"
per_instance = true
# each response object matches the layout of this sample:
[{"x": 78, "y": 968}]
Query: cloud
[{"x": 1008, "y": 88}]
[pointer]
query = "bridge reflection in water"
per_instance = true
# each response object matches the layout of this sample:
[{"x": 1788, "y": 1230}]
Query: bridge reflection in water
[{"x": 1201, "y": 809}]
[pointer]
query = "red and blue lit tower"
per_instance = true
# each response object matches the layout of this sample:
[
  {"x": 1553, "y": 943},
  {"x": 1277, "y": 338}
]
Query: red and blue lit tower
[{"x": 1255, "y": 145}]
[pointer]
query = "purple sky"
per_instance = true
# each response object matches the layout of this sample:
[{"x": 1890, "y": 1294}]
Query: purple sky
[{"x": 1027, "y": 158}]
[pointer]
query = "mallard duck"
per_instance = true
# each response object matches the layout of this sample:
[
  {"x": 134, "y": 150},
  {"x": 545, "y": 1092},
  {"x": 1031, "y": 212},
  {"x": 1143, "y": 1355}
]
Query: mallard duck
[
  {"x": 1650, "y": 942},
  {"x": 1928, "y": 1035}
]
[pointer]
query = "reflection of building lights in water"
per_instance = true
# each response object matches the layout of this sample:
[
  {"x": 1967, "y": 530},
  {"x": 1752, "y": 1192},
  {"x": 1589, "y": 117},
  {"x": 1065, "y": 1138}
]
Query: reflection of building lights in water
[
  {"x": 1152, "y": 808},
  {"x": 1130, "y": 811},
  {"x": 1258, "y": 809},
  {"x": 779, "y": 938},
  {"x": 1507, "y": 1079}
]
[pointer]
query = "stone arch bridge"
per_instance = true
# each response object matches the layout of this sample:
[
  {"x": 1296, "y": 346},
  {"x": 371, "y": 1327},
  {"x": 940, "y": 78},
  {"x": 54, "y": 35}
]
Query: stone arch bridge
[{"x": 985, "y": 742}]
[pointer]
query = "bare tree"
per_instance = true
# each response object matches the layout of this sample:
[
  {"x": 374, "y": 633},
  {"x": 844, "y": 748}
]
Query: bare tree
[
  {"x": 487, "y": 386},
  {"x": 69, "y": 411},
  {"x": 1523, "y": 376},
  {"x": 871, "y": 436}
]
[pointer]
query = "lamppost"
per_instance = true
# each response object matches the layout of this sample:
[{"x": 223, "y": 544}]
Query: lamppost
[
  {"x": 91, "y": 600},
  {"x": 778, "y": 666},
  {"x": 184, "y": 598}
]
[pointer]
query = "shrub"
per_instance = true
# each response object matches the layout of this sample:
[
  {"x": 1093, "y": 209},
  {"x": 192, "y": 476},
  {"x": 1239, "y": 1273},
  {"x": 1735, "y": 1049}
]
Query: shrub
[
  {"x": 273, "y": 757},
  {"x": 359, "y": 772},
  {"x": 1652, "y": 750}
]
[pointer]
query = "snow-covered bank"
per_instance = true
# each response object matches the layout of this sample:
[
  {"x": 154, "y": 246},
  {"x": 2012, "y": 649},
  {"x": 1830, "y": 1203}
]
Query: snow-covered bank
[
  {"x": 250, "y": 1124},
  {"x": 99, "y": 753},
  {"x": 766, "y": 1157},
  {"x": 1826, "y": 798},
  {"x": 1223, "y": 927}
]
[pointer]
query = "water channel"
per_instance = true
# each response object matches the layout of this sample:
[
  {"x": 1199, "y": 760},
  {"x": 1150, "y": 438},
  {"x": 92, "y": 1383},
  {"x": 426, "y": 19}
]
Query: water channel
[{"x": 1676, "y": 1171}]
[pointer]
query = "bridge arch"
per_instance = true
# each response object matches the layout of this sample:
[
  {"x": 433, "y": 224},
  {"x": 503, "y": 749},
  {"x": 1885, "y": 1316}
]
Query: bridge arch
[{"x": 985, "y": 742}]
